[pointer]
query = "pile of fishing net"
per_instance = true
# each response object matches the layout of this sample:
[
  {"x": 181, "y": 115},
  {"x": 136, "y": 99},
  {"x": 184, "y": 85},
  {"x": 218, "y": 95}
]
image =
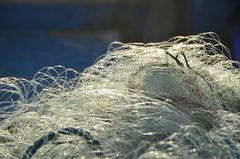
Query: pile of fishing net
[{"x": 175, "y": 99}]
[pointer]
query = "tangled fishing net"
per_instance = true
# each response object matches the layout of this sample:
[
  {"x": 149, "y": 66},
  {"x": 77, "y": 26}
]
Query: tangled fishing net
[{"x": 175, "y": 99}]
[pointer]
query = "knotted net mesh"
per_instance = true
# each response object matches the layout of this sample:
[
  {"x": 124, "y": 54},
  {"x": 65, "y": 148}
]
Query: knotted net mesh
[{"x": 174, "y": 99}]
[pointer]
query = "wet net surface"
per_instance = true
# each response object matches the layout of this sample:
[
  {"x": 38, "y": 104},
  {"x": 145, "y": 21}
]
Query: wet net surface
[{"x": 174, "y": 99}]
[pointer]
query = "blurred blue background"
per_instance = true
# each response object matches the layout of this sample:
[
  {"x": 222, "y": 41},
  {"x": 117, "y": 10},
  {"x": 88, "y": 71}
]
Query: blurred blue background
[{"x": 73, "y": 33}]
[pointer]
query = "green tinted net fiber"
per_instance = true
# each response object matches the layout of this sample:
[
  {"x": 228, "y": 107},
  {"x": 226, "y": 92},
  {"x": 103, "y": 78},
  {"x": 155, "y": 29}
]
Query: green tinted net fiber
[{"x": 177, "y": 99}]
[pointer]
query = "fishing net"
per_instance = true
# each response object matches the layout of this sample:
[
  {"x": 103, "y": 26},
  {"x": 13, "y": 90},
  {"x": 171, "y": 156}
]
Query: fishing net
[{"x": 175, "y": 99}]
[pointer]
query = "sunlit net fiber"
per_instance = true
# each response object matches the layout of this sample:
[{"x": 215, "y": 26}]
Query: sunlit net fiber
[{"x": 174, "y": 99}]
